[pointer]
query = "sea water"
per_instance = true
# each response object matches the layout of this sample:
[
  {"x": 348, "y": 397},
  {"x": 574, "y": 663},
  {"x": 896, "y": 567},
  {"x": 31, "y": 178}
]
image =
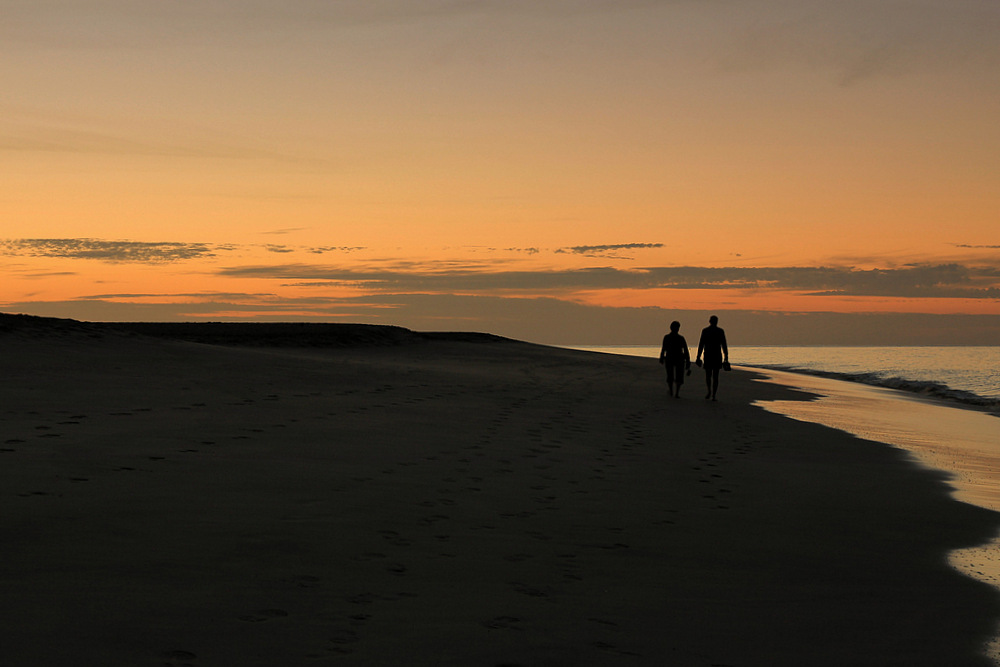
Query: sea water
[{"x": 968, "y": 376}]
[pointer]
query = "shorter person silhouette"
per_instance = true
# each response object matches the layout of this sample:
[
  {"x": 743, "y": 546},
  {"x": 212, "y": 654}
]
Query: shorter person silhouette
[
  {"x": 713, "y": 344},
  {"x": 675, "y": 356}
]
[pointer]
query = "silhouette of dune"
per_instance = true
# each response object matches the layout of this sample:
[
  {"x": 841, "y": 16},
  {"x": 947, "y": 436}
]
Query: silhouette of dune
[{"x": 254, "y": 334}]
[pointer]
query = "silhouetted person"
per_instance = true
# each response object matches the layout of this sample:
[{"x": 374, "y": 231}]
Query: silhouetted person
[
  {"x": 713, "y": 344},
  {"x": 675, "y": 356}
]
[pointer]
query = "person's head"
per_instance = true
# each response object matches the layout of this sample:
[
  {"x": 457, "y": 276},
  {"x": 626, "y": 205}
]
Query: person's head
[
  {"x": 713, "y": 320},
  {"x": 675, "y": 326}
]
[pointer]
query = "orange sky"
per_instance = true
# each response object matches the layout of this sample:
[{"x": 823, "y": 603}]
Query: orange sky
[{"x": 333, "y": 161}]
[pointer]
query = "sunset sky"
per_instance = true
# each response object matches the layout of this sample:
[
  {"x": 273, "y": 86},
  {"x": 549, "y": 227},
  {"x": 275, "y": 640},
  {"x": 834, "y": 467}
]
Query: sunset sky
[{"x": 567, "y": 171}]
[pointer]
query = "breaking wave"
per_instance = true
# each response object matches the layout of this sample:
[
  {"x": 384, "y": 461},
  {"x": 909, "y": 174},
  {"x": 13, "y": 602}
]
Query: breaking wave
[{"x": 924, "y": 388}]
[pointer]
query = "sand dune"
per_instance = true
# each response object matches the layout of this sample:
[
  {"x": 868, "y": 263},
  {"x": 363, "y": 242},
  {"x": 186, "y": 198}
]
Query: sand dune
[{"x": 375, "y": 496}]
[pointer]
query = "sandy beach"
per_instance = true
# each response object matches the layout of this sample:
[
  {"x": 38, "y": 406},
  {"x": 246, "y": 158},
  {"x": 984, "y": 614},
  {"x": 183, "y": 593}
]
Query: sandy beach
[{"x": 318, "y": 495}]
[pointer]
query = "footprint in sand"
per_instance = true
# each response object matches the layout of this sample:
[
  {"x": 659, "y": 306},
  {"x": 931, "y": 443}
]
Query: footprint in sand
[
  {"x": 395, "y": 538},
  {"x": 179, "y": 655},
  {"x": 611, "y": 648},
  {"x": 179, "y": 658},
  {"x": 306, "y": 581},
  {"x": 370, "y": 556},
  {"x": 434, "y": 518},
  {"x": 503, "y": 623},
  {"x": 530, "y": 591},
  {"x": 341, "y": 639},
  {"x": 517, "y": 558},
  {"x": 262, "y": 615}
]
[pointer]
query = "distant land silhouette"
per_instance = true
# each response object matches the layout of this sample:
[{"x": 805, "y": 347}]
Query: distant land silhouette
[{"x": 263, "y": 334}]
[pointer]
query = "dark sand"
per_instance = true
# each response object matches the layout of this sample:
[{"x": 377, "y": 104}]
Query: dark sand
[{"x": 389, "y": 498}]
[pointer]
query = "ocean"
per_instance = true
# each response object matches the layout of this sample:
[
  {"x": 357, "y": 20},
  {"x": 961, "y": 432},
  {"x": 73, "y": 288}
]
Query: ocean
[{"x": 964, "y": 376}]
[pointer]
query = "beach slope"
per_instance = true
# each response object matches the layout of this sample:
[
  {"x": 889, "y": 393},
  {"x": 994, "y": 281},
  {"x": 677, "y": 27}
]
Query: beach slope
[{"x": 374, "y": 496}]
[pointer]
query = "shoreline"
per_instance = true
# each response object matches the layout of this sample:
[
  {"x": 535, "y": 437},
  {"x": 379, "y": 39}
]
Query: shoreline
[
  {"x": 455, "y": 500},
  {"x": 927, "y": 389}
]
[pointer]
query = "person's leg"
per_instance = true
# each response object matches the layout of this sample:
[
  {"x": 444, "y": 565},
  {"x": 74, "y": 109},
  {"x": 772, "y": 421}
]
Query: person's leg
[
  {"x": 678, "y": 378},
  {"x": 708, "y": 382},
  {"x": 670, "y": 377},
  {"x": 715, "y": 382}
]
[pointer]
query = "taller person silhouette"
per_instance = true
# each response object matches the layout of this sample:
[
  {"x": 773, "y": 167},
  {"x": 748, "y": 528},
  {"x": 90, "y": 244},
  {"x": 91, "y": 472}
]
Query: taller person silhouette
[{"x": 713, "y": 345}]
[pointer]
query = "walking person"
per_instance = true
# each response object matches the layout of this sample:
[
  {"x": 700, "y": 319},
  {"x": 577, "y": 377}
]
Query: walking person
[
  {"x": 713, "y": 345},
  {"x": 674, "y": 355}
]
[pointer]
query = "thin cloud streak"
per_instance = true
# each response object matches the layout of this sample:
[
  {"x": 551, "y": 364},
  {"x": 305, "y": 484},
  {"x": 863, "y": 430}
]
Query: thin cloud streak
[
  {"x": 610, "y": 251},
  {"x": 144, "y": 252},
  {"x": 108, "y": 251}
]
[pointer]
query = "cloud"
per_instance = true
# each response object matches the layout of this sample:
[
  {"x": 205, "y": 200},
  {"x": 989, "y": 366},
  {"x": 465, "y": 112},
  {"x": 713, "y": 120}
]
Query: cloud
[
  {"x": 286, "y": 230},
  {"x": 201, "y": 296},
  {"x": 319, "y": 250},
  {"x": 48, "y": 274},
  {"x": 108, "y": 251},
  {"x": 914, "y": 281},
  {"x": 436, "y": 277},
  {"x": 612, "y": 251}
]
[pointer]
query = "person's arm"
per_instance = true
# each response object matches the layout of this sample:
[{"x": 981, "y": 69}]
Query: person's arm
[
  {"x": 725, "y": 348},
  {"x": 663, "y": 350},
  {"x": 701, "y": 346}
]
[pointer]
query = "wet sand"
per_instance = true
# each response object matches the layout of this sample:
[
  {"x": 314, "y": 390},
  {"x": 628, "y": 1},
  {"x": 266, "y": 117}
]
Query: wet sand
[{"x": 379, "y": 497}]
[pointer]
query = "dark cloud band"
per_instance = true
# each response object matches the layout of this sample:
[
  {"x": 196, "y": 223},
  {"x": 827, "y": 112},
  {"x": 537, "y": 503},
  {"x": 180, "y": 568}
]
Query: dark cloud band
[{"x": 916, "y": 281}]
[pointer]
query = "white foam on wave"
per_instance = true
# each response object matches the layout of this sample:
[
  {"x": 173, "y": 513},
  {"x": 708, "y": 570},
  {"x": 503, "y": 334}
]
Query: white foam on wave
[
  {"x": 926, "y": 388},
  {"x": 963, "y": 442}
]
